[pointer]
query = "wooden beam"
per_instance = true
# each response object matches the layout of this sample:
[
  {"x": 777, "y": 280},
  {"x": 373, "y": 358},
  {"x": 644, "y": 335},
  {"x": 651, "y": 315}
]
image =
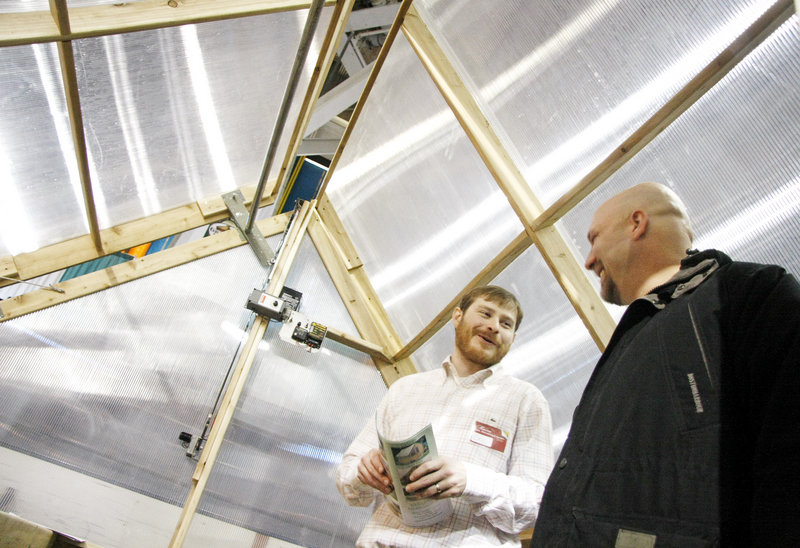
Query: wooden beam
[
  {"x": 70, "y": 78},
  {"x": 373, "y": 75},
  {"x": 239, "y": 376},
  {"x": 489, "y": 272},
  {"x": 325, "y": 59},
  {"x": 362, "y": 303},
  {"x": 357, "y": 343},
  {"x": 133, "y": 270},
  {"x": 555, "y": 249},
  {"x": 214, "y": 205},
  {"x": 708, "y": 77},
  {"x": 81, "y": 249},
  {"x": 58, "y": 10},
  {"x": 89, "y": 21},
  {"x": 8, "y": 267},
  {"x": 338, "y": 235}
]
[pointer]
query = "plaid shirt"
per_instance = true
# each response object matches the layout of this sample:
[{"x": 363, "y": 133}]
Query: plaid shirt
[{"x": 504, "y": 488}]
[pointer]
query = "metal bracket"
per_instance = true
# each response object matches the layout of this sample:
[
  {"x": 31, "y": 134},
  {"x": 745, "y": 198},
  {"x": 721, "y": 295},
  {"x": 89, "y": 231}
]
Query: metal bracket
[{"x": 239, "y": 215}]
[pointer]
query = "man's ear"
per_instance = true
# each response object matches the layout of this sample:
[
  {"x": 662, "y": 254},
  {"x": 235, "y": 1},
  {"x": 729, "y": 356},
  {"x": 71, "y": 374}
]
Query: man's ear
[
  {"x": 457, "y": 315},
  {"x": 638, "y": 221}
]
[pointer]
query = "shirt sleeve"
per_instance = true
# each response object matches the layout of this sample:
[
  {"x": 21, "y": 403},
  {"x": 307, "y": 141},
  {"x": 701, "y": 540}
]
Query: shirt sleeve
[
  {"x": 510, "y": 502},
  {"x": 354, "y": 491}
]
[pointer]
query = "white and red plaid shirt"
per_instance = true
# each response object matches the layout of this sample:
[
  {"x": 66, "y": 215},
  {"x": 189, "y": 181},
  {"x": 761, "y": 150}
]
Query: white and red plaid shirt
[{"x": 504, "y": 488}]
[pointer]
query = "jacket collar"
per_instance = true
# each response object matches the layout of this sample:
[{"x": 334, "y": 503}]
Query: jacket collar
[{"x": 695, "y": 268}]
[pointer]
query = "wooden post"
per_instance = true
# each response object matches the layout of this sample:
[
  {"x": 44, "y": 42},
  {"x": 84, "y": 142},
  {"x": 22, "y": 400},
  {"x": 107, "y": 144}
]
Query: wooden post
[{"x": 239, "y": 377}]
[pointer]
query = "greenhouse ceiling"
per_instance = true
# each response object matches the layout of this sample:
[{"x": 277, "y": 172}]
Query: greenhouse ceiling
[
  {"x": 127, "y": 123},
  {"x": 466, "y": 142}
]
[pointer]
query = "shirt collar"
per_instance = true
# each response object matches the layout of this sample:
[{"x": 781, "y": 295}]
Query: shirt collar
[{"x": 477, "y": 378}]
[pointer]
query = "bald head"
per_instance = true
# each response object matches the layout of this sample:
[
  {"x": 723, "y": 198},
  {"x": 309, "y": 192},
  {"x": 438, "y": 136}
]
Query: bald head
[
  {"x": 663, "y": 206},
  {"x": 638, "y": 239}
]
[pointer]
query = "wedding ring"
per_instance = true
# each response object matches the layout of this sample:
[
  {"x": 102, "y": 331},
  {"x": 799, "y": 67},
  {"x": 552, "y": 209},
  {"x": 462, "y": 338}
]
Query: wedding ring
[{"x": 438, "y": 489}]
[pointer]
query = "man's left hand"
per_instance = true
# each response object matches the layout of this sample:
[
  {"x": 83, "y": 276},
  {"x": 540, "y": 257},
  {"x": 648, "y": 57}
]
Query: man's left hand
[{"x": 439, "y": 478}]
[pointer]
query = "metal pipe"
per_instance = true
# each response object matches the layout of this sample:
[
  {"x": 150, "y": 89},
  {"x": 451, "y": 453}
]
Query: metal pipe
[{"x": 302, "y": 52}]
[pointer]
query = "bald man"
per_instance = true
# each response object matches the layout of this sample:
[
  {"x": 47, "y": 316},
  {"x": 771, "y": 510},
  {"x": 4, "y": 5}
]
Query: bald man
[{"x": 688, "y": 431}]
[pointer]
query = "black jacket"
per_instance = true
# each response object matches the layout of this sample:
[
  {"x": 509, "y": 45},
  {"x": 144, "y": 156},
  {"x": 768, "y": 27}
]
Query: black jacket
[{"x": 688, "y": 431}]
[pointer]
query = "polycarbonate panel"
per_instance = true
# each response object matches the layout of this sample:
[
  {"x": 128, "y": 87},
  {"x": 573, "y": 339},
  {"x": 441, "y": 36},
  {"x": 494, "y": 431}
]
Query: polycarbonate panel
[
  {"x": 552, "y": 349},
  {"x": 275, "y": 473},
  {"x": 568, "y": 81},
  {"x": 417, "y": 201},
  {"x": 177, "y": 114},
  {"x": 734, "y": 158},
  {"x": 73, "y": 504},
  {"x": 104, "y": 385},
  {"x": 170, "y": 116},
  {"x": 39, "y": 204}
]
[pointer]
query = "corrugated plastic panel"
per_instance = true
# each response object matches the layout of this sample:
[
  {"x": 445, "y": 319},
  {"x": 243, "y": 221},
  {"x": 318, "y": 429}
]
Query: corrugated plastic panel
[
  {"x": 568, "y": 81},
  {"x": 734, "y": 158},
  {"x": 103, "y": 385}
]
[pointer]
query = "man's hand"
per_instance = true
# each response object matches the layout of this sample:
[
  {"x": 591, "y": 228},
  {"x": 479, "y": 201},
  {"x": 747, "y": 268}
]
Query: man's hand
[
  {"x": 439, "y": 478},
  {"x": 372, "y": 472}
]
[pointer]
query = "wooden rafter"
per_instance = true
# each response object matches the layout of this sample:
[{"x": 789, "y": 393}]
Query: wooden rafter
[
  {"x": 90, "y": 21},
  {"x": 81, "y": 249},
  {"x": 555, "y": 249},
  {"x": 325, "y": 59},
  {"x": 134, "y": 269},
  {"x": 359, "y": 297},
  {"x": 66, "y": 56}
]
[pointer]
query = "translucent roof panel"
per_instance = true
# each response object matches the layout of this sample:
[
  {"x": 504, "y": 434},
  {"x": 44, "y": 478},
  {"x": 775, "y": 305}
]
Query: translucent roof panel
[
  {"x": 568, "y": 81},
  {"x": 170, "y": 116},
  {"x": 734, "y": 158},
  {"x": 417, "y": 201},
  {"x": 39, "y": 202},
  {"x": 552, "y": 349}
]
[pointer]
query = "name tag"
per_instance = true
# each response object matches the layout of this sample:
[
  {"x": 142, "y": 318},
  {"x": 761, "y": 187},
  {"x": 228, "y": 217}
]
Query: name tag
[{"x": 488, "y": 436}]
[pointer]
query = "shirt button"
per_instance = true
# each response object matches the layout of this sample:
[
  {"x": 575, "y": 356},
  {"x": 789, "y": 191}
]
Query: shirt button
[{"x": 562, "y": 463}]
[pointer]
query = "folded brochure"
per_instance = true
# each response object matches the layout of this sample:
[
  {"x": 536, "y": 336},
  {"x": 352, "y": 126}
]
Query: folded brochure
[{"x": 401, "y": 458}]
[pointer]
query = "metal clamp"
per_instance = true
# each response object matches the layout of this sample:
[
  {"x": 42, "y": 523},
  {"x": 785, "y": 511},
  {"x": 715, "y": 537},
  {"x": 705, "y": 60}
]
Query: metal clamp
[{"x": 239, "y": 215}]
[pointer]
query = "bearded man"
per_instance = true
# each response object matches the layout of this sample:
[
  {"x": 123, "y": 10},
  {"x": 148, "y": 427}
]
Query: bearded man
[{"x": 493, "y": 434}]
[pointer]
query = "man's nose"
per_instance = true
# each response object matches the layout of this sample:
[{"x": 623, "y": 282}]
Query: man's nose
[{"x": 590, "y": 260}]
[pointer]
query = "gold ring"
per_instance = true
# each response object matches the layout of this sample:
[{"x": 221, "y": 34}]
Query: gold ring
[{"x": 438, "y": 489}]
